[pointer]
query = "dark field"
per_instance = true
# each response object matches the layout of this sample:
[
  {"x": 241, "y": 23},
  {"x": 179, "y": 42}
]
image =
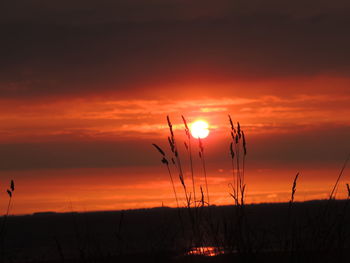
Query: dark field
[{"x": 310, "y": 231}]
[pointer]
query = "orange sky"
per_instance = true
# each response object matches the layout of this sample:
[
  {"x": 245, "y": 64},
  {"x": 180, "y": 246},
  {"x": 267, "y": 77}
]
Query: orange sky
[
  {"x": 94, "y": 153},
  {"x": 85, "y": 90}
]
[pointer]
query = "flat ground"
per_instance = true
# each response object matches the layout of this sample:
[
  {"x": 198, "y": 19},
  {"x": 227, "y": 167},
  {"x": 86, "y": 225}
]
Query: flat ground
[{"x": 316, "y": 230}]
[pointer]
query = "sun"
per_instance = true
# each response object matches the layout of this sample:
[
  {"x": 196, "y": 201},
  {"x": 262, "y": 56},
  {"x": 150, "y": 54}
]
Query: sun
[{"x": 199, "y": 129}]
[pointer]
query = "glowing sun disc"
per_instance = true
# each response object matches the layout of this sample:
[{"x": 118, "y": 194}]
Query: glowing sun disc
[{"x": 199, "y": 129}]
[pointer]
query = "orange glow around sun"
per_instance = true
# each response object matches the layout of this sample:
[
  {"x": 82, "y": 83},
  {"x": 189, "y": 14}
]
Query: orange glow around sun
[{"x": 199, "y": 129}]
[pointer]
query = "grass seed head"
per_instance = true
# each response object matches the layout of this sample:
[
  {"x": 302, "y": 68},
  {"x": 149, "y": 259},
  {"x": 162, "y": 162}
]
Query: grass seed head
[
  {"x": 239, "y": 130},
  {"x": 170, "y": 127},
  {"x": 294, "y": 187},
  {"x": 12, "y": 186},
  {"x": 244, "y": 144},
  {"x": 185, "y": 122},
  {"x": 187, "y": 130},
  {"x": 231, "y": 123},
  {"x": 233, "y": 136},
  {"x": 232, "y": 151},
  {"x": 182, "y": 180}
]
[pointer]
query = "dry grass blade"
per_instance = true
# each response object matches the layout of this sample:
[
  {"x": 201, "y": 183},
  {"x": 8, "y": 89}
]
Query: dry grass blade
[
  {"x": 233, "y": 136},
  {"x": 185, "y": 122},
  {"x": 182, "y": 180},
  {"x": 174, "y": 150},
  {"x": 239, "y": 130},
  {"x": 200, "y": 145},
  {"x": 244, "y": 144},
  {"x": 171, "y": 144},
  {"x": 10, "y": 193},
  {"x": 232, "y": 151},
  {"x": 170, "y": 126},
  {"x": 242, "y": 195},
  {"x": 332, "y": 195},
  {"x": 202, "y": 196},
  {"x": 159, "y": 149},
  {"x": 187, "y": 130},
  {"x": 189, "y": 150},
  {"x": 234, "y": 194},
  {"x": 201, "y": 155},
  {"x": 348, "y": 188},
  {"x": 165, "y": 161},
  {"x": 231, "y": 123},
  {"x": 294, "y": 187}
]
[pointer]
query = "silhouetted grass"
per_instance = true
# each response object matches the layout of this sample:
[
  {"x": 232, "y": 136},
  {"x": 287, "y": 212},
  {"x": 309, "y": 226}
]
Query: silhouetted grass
[
  {"x": 234, "y": 234},
  {"x": 286, "y": 232}
]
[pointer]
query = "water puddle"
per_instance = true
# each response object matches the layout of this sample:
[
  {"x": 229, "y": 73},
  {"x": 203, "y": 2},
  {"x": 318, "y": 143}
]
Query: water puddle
[{"x": 205, "y": 251}]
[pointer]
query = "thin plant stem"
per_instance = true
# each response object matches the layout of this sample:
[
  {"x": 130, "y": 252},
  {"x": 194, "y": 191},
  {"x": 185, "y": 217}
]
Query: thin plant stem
[
  {"x": 233, "y": 173},
  {"x": 192, "y": 173},
  {"x": 204, "y": 168},
  {"x": 239, "y": 180},
  {"x": 5, "y": 217},
  {"x": 339, "y": 176},
  {"x": 2, "y": 233},
  {"x": 173, "y": 185},
  {"x": 205, "y": 177},
  {"x": 182, "y": 178}
]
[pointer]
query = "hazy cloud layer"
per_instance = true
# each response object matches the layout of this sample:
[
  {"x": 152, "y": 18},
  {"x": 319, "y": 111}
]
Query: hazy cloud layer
[
  {"x": 302, "y": 147},
  {"x": 95, "y": 133}
]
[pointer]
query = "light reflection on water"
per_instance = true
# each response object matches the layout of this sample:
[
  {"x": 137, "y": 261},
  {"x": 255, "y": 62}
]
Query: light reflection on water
[{"x": 205, "y": 251}]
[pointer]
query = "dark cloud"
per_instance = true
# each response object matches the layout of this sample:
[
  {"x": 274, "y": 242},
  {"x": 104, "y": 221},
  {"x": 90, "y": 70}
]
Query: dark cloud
[
  {"x": 29, "y": 156},
  {"x": 91, "y": 47},
  {"x": 302, "y": 147}
]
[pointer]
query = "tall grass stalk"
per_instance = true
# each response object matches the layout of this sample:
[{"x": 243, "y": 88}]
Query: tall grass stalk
[
  {"x": 244, "y": 155},
  {"x": 174, "y": 149},
  {"x": 188, "y": 146},
  {"x": 238, "y": 236},
  {"x": 238, "y": 151},
  {"x": 325, "y": 217},
  {"x": 237, "y": 144},
  {"x": 165, "y": 161},
  {"x": 238, "y": 154},
  {"x": 10, "y": 194},
  {"x": 201, "y": 156},
  {"x": 332, "y": 194},
  {"x": 294, "y": 188},
  {"x": 290, "y": 237}
]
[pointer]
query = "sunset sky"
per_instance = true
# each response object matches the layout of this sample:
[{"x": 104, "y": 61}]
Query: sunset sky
[{"x": 85, "y": 89}]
